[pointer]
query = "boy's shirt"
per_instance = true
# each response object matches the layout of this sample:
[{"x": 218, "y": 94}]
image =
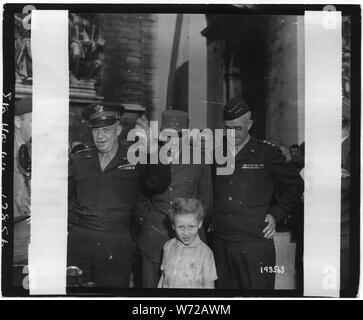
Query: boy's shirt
[{"x": 189, "y": 266}]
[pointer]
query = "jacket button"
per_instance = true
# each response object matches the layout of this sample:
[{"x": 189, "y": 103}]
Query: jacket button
[
  {"x": 170, "y": 202},
  {"x": 171, "y": 189},
  {"x": 229, "y": 198}
]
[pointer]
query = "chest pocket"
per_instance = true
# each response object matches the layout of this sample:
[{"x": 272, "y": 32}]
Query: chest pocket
[
  {"x": 124, "y": 182},
  {"x": 185, "y": 274},
  {"x": 254, "y": 180},
  {"x": 126, "y": 172},
  {"x": 83, "y": 182},
  {"x": 86, "y": 188}
]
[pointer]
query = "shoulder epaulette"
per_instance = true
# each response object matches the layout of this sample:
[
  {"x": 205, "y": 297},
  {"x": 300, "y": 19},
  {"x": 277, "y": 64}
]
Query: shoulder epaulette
[
  {"x": 270, "y": 144},
  {"x": 83, "y": 151}
]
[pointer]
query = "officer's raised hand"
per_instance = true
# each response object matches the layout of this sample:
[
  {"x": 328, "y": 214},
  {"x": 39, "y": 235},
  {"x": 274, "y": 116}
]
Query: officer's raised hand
[
  {"x": 143, "y": 128},
  {"x": 269, "y": 231},
  {"x": 142, "y": 123}
]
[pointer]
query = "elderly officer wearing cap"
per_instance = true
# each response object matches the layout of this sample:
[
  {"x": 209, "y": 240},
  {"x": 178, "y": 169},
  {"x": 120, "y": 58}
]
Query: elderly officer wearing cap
[
  {"x": 22, "y": 138},
  {"x": 188, "y": 181},
  {"x": 245, "y": 212},
  {"x": 102, "y": 194}
]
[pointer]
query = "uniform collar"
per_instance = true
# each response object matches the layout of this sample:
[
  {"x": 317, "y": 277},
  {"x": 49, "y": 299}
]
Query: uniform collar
[
  {"x": 110, "y": 154},
  {"x": 241, "y": 146},
  {"x": 248, "y": 150},
  {"x": 120, "y": 157}
]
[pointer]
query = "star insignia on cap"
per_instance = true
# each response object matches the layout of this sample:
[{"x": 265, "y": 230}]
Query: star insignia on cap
[
  {"x": 99, "y": 108},
  {"x": 235, "y": 106}
]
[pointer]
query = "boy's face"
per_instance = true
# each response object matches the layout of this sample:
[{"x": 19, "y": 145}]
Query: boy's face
[{"x": 186, "y": 227}]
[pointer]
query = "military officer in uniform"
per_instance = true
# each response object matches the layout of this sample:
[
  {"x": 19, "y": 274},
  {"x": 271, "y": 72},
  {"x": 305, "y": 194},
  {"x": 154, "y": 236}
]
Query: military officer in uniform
[
  {"x": 187, "y": 181},
  {"x": 102, "y": 194},
  {"x": 245, "y": 210}
]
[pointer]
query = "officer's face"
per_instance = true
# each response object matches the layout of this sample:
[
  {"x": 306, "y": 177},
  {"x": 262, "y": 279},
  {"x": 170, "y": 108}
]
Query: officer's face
[
  {"x": 241, "y": 125},
  {"x": 24, "y": 124},
  {"x": 106, "y": 138},
  {"x": 186, "y": 227}
]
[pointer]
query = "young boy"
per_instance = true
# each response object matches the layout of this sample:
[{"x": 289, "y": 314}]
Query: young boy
[{"x": 187, "y": 261}]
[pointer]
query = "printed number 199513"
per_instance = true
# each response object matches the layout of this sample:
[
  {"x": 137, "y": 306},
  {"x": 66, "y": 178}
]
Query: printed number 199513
[{"x": 274, "y": 269}]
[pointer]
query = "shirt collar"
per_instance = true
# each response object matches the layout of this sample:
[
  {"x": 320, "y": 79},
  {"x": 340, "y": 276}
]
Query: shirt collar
[
  {"x": 238, "y": 148},
  {"x": 196, "y": 241},
  {"x": 110, "y": 154}
]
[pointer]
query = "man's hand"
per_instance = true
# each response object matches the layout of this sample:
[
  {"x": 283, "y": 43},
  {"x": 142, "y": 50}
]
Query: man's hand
[
  {"x": 142, "y": 124},
  {"x": 269, "y": 232}
]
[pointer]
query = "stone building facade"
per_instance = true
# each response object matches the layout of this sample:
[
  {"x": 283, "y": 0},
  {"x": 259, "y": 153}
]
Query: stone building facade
[
  {"x": 194, "y": 62},
  {"x": 110, "y": 59}
]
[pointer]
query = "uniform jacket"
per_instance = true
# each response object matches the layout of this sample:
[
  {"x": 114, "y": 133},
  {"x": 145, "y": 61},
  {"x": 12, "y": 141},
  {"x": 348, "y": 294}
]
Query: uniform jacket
[
  {"x": 345, "y": 192},
  {"x": 104, "y": 200},
  {"x": 243, "y": 199},
  {"x": 187, "y": 180}
]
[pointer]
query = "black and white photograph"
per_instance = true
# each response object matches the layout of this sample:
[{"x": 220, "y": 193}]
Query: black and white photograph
[{"x": 158, "y": 150}]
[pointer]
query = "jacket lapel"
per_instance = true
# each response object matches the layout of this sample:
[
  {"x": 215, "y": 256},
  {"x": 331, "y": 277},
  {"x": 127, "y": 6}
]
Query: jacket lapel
[{"x": 93, "y": 160}]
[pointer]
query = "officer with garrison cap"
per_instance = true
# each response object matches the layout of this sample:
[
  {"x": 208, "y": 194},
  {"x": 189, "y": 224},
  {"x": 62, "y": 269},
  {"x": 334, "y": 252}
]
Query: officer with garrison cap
[
  {"x": 102, "y": 194},
  {"x": 246, "y": 211}
]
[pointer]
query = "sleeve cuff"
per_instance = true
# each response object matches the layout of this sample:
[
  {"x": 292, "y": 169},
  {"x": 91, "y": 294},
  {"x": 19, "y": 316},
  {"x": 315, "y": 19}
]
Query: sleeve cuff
[{"x": 278, "y": 213}]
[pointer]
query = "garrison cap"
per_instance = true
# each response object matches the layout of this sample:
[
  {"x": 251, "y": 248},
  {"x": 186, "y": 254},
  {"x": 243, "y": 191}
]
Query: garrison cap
[
  {"x": 99, "y": 115},
  {"x": 174, "y": 119},
  {"x": 23, "y": 106},
  {"x": 235, "y": 108}
]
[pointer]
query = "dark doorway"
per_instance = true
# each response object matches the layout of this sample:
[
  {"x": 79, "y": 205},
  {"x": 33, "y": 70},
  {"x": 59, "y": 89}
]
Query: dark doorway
[{"x": 244, "y": 54}]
